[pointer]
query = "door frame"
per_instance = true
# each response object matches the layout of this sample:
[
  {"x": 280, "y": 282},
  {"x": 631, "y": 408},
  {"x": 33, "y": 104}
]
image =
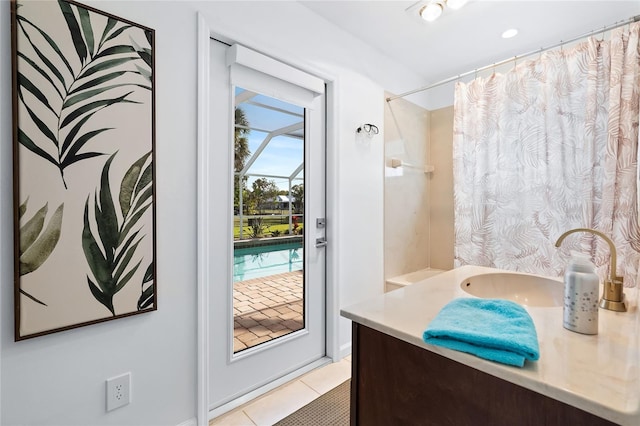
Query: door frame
[{"x": 204, "y": 204}]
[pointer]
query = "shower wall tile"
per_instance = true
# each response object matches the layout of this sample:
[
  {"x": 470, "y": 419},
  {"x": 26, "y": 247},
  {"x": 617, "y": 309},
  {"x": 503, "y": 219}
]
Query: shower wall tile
[
  {"x": 406, "y": 211},
  {"x": 441, "y": 181}
]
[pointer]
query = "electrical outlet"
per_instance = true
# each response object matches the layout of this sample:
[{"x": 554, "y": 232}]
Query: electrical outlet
[{"x": 118, "y": 391}]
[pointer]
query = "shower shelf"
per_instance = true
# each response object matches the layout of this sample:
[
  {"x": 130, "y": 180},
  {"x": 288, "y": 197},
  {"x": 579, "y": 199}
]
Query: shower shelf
[{"x": 394, "y": 163}]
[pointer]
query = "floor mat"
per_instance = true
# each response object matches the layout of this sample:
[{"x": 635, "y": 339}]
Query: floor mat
[{"x": 330, "y": 409}]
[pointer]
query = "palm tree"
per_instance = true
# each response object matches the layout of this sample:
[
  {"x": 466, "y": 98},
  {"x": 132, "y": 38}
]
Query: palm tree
[{"x": 241, "y": 152}]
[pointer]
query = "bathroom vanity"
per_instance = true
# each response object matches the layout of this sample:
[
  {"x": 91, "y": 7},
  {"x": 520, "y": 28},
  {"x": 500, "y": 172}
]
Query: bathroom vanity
[{"x": 579, "y": 379}]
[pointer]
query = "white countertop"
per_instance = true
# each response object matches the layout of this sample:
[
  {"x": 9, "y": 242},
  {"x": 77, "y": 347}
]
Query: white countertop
[{"x": 599, "y": 374}]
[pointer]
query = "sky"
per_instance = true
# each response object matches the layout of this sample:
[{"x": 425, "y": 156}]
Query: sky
[{"x": 283, "y": 154}]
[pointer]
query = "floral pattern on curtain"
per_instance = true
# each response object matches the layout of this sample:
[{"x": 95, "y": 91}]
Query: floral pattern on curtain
[{"x": 550, "y": 146}]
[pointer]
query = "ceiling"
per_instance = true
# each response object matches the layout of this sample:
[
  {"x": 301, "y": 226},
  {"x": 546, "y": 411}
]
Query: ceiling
[{"x": 469, "y": 38}]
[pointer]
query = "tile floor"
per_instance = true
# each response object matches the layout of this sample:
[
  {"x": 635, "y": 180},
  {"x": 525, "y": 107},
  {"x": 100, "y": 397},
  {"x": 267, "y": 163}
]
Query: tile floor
[
  {"x": 286, "y": 399},
  {"x": 266, "y": 308}
]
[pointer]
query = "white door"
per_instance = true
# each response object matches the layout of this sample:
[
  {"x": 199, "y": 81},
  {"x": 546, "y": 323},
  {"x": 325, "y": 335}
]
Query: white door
[{"x": 267, "y": 296}]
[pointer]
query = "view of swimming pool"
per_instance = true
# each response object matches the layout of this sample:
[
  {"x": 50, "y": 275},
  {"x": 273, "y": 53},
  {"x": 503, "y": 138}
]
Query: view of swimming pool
[{"x": 256, "y": 262}]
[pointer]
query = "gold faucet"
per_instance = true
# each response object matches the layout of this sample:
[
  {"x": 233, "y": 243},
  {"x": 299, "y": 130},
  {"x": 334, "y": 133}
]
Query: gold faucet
[{"x": 612, "y": 295}]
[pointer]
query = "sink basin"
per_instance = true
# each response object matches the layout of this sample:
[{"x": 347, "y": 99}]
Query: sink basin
[{"x": 527, "y": 290}]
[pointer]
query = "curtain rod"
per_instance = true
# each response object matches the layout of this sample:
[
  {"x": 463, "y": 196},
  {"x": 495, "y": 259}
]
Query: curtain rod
[{"x": 514, "y": 58}]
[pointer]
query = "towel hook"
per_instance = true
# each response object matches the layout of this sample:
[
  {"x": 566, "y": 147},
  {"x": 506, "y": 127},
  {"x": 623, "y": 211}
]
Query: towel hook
[{"x": 369, "y": 129}]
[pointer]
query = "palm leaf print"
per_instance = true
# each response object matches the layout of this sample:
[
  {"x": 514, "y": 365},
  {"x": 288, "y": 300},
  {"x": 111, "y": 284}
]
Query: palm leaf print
[
  {"x": 110, "y": 252},
  {"x": 147, "y": 293},
  {"x": 63, "y": 88},
  {"x": 37, "y": 242}
]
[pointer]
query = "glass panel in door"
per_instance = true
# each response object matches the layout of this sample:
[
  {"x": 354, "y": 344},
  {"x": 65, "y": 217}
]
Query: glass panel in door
[{"x": 268, "y": 211}]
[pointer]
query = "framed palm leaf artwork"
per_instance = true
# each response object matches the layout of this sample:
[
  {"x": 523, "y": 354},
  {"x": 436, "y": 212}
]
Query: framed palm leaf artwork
[{"x": 84, "y": 138}]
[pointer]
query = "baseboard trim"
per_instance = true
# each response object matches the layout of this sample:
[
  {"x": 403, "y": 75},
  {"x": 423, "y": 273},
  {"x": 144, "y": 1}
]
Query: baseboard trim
[
  {"x": 190, "y": 422},
  {"x": 345, "y": 350}
]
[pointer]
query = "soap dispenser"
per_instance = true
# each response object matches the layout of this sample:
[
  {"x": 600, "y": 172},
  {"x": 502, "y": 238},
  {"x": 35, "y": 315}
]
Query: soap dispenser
[{"x": 581, "y": 286}]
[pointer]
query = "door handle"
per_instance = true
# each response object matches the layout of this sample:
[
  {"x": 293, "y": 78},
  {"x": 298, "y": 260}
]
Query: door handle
[{"x": 321, "y": 242}]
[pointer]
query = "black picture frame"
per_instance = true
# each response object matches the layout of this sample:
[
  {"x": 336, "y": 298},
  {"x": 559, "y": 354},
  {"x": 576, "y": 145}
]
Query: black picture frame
[{"x": 83, "y": 167}]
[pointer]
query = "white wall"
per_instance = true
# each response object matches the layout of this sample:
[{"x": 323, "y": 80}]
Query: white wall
[{"x": 59, "y": 379}]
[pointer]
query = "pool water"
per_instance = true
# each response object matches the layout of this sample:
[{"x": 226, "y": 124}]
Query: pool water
[{"x": 257, "y": 262}]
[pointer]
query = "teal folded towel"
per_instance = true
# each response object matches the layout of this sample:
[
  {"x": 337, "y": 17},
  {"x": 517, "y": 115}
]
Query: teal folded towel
[{"x": 494, "y": 329}]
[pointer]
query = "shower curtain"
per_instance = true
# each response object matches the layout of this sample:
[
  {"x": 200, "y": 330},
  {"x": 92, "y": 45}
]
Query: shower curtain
[{"x": 550, "y": 146}]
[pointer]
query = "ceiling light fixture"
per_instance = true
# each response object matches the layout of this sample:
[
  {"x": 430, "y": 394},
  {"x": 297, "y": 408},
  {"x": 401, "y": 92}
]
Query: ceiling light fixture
[
  {"x": 431, "y": 11},
  {"x": 512, "y": 32},
  {"x": 434, "y": 8}
]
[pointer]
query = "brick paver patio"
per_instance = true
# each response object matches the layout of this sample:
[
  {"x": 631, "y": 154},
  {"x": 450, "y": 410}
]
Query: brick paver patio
[{"x": 266, "y": 308}]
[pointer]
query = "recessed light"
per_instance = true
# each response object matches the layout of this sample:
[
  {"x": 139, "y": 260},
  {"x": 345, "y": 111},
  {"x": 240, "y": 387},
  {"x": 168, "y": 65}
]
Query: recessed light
[{"x": 510, "y": 33}]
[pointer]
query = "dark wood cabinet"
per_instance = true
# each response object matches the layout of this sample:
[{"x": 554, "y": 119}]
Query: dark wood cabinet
[{"x": 397, "y": 383}]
